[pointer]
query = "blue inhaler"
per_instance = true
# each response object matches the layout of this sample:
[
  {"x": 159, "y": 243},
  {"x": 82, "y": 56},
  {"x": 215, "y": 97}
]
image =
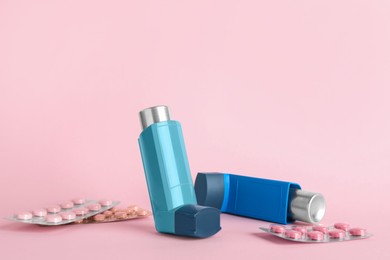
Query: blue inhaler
[
  {"x": 269, "y": 200},
  {"x": 168, "y": 177}
]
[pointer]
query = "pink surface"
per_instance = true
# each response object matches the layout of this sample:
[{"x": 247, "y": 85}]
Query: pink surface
[{"x": 289, "y": 90}]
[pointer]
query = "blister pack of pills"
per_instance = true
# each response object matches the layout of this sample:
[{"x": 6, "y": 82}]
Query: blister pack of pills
[
  {"x": 317, "y": 234},
  {"x": 117, "y": 214},
  {"x": 64, "y": 213}
]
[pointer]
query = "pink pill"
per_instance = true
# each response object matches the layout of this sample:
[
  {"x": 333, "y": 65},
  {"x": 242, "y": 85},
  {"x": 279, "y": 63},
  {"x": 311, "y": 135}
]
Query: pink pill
[
  {"x": 115, "y": 209},
  {"x": 293, "y": 234},
  {"x": 120, "y": 215},
  {"x": 40, "y": 212},
  {"x": 94, "y": 207},
  {"x": 68, "y": 215},
  {"x": 53, "y": 218},
  {"x": 131, "y": 211},
  {"x": 142, "y": 212},
  {"x": 321, "y": 229},
  {"x": 81, "y": 211},
  {"x": 108, "y": 213},
  {"x": 105, "y": 203},
  {"x": 99, "y": 217},
  {"x": 301, "y": 229},
  {"x": 315, "y": 235},
  {"x": 341, "y": 226},
  {"x": 78, "y": 201},
  {"x": 24, "y": 215},
  {"x": 67, "y": 205},
  {"x": 336, "y": 233},
  {"x": 277, "y": 229},
  {"x": 53, "y": 209},
  {"x": 357, "y": 232}
]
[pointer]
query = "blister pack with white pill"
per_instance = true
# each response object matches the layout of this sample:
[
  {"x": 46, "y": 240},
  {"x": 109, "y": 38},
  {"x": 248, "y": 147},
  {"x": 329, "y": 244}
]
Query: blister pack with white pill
[
  {"x": 64, "y": 213},
  {"x": 339, "y": 232}
]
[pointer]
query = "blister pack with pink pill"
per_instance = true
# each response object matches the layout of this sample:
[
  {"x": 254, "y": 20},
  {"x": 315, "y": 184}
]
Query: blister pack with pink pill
[
  {"x": 117, "y": 214},
  {"x": 338, "y": 232},
  {"x": 64, "y": 213}
]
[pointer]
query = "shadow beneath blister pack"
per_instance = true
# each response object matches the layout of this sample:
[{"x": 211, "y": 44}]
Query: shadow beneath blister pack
[
  {"x": 273, "y": 239},
  {"x": 31, "y": 228}
]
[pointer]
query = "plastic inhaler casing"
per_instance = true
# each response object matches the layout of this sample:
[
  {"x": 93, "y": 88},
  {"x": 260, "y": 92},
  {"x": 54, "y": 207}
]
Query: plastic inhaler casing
[
  {"x": 169, "y": 181},
  {"x": 269, "y": 200}
]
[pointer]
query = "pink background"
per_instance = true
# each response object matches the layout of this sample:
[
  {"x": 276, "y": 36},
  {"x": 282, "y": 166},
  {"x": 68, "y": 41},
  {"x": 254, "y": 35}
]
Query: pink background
[{"x": 289, "y": 90}]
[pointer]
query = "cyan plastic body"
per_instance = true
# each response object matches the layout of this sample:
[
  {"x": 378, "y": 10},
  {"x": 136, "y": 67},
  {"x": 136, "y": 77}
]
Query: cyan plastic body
[
  {"x": 246, "y": 196},
  {"x": 167, "y": 172}
]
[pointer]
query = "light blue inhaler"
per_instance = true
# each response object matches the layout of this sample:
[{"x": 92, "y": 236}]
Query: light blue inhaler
[
  {"x": 270, "y": 200},
  {"x": 168, "y": 177}
]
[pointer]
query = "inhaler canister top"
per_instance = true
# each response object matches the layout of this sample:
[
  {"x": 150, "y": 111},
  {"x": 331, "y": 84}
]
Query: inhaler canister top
[
  {"x": 307, "y": 206},
  {"x": 152, "y": 115}
]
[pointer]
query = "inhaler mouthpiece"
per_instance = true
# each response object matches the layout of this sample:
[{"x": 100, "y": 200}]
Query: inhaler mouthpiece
[
  {"x": 153, "y": 115},
  {"x": 307, "y": 206}
]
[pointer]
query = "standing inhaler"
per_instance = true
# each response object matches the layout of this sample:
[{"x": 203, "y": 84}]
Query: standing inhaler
[
  {"x": 168, "y": 177},
  {"x": 269, "y": 200}
]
